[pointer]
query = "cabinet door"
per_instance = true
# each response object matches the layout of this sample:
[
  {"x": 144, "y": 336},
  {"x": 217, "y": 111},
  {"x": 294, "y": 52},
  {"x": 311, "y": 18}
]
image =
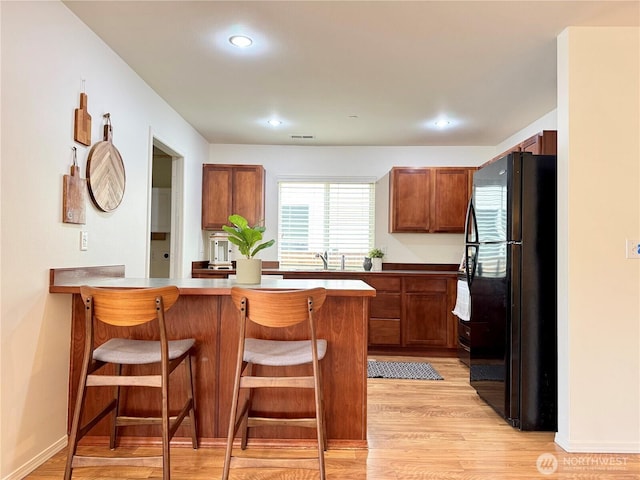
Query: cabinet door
[
  {"x": 216, "y": 196},
  {"x": 248, "y": 193},
  {"x": 450, "y": 198},
  {"x": 426, "y": 320},
  {"x": 409, "y": 200}
]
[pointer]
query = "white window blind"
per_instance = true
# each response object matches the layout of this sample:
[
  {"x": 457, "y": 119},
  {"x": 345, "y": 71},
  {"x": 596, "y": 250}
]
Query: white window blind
[{"x": 316, "y": 217}]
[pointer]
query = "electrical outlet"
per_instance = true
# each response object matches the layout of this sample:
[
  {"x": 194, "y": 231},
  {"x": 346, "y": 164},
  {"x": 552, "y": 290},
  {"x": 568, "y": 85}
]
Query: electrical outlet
[
  {"x": 633, "y": 249},
  {"x": 84, "y": 240}
]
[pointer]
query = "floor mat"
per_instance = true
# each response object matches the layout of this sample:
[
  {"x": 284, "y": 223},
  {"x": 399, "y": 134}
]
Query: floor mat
[{"x": 405, "y": 370}]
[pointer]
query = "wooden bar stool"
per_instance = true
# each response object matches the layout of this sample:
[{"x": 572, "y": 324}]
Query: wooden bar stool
[
  {"x": 129, "y": 308},
  {"x": 276, "y": 309}
]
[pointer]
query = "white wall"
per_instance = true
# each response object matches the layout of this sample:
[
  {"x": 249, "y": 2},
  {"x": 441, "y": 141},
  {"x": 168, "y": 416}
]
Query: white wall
[
  {"x": 599, "y": 207},
  {"x": 46, "y": 51},
  {"x": 546, "y": 122},
  {"x": 358, "y": 161}
]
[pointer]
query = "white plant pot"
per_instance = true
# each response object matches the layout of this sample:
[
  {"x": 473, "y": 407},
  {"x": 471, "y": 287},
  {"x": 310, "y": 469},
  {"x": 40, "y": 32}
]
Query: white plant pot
[
  {"x": 248, "y": 271},
  {"x": 376, "y": 264}
]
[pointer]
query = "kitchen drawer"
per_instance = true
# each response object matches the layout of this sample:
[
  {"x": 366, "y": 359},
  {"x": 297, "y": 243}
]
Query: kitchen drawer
[
  {"x": 390, "y": 284},
  {"x": 385, "y": 305},
  {"x": 425, "y": 285},
  {"x": 384, "y": 331}
]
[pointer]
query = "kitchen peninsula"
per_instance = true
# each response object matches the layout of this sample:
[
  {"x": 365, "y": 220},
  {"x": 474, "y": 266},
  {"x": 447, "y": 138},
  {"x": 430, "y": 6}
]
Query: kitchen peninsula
[{"x": 205, "y": 312}]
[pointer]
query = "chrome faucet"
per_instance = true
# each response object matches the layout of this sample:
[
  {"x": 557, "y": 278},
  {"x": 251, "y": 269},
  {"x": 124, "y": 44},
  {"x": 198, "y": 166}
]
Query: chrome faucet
[{"x": 325, "y": 259}]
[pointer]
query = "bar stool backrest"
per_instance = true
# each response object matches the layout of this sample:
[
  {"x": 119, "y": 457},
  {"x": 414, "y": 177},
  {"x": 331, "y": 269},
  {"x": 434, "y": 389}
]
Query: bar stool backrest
[
  {"x": 278, "y": 308},
  {"x": 129, "y": 307}
]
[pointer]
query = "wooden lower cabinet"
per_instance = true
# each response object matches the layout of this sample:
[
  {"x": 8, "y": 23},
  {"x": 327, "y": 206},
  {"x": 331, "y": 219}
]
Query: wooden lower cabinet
[
  {"x": 426, "y": 312},
  {"x": 385, "y": 310},
  {"x": 412, "y": 313}
]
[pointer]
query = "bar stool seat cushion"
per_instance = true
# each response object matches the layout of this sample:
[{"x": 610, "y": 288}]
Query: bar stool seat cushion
[
  {"x": 278, "y": 353},
  {"x": 139, "y": 352}
]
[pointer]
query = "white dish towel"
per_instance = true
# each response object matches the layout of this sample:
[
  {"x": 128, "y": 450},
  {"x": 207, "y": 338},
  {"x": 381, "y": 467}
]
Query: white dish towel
[{"x": 463, "y": 302}]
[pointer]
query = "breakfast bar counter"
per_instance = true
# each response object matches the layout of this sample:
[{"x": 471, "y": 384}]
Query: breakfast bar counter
[{"x": 205, "y": 312}]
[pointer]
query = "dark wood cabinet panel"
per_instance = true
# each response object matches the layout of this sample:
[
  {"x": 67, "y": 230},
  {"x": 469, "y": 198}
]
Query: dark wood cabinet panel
[
  {"x": 385, "y": 305},
  {"x": 410, "y": 200},
  {"x": 425, "y": 285},
  {"x": 451, "y": 195},
  {"x": 428, "y": 200},
  {"x": 231, "y": 189},
  {"x": 216, "y": 195},
  {"x": 384, "y": 331},
  {"x": 543, "y": 143},
  {"x": 426, "y": 312},
  {"x": 426, "y": 319}
]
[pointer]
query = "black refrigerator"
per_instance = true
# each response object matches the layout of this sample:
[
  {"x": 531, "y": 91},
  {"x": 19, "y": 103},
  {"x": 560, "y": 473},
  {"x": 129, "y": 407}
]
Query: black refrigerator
[{"x": 510, "y": 247}]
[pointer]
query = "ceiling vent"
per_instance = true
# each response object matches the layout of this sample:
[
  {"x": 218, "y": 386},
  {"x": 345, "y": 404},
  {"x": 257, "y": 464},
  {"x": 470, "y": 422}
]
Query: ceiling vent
[{"x": 302, "y": 137}]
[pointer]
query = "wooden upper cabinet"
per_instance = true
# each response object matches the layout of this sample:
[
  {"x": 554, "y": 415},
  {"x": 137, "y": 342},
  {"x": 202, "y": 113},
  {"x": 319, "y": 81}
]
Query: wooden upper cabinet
[
  {"x": 410, "y": 199},
  {"x": 231, "y": 189},
  {"x": 451, "y": 195},
  {"x": 543, "y": 143},
  {"x": 428, "y": 200}
]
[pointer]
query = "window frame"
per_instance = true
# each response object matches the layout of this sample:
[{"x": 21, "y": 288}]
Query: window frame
[{"x": 310, "y": 258}]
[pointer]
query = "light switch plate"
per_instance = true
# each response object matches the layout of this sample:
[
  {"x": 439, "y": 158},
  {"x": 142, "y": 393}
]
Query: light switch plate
[
  {"x": 633, "y": 249},
  {"x": 84, "y": 240}
]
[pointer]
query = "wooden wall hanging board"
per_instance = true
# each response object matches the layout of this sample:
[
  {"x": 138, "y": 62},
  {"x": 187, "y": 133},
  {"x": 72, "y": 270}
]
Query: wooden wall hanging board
[
  {"x": 105, "y": 173},
  {"x": 73, "y": 197},
  {"x": 82, "y": 124}
]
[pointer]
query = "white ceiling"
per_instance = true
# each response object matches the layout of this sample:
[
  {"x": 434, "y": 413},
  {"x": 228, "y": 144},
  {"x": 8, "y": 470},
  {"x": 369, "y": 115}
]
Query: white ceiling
[{"x": 396, "y": 65}]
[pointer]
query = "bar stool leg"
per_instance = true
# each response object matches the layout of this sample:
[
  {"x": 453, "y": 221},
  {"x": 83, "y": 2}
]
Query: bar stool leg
[
  {"x": 77, "y": 418},
  {"x": 192, "y": 397},
  {"x": 116, "y": 412}
]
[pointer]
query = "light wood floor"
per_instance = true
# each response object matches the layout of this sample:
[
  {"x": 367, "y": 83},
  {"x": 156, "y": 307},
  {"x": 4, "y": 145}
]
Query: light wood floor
[{"x": 417, "y": 430}]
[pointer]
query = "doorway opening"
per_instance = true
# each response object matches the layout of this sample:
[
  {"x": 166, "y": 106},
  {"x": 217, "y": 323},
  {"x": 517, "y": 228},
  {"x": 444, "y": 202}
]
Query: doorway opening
[{"x": 165, "y": 239}]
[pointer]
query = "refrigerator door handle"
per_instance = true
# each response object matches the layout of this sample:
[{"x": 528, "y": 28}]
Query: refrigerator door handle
[
  {"x": 470, "y": 271},
  {"x": 471, "y": 224}
]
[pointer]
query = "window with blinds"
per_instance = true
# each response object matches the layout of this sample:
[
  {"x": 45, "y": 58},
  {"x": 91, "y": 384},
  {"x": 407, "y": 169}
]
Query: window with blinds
[{"x": 315, "y": 217}]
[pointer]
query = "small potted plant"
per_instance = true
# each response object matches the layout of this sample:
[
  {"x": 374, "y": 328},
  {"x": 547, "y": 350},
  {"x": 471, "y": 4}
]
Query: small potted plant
[
  {"x": 248, "y": 269},
  {"x": 375, "y": 254}
]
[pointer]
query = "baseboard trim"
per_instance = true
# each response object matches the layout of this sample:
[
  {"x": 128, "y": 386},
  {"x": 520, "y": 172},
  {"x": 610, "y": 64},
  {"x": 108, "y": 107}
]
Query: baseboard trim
[
  {"x": 588, "y": 447},
  {"x": 38, "y": 460}
]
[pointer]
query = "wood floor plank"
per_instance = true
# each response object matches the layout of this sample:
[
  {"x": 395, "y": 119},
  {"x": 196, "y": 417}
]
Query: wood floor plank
[{"x": 417, "y": 430}]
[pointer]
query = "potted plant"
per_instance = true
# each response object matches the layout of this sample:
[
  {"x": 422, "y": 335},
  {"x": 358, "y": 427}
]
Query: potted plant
[
  {"x": 375, "y": 254},
  {"x": 246, "y": 238}
]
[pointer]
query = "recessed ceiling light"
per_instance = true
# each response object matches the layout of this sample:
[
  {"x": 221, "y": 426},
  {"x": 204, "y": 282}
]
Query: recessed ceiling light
[
  {"x": 274, "y": 122},
  {"x": 240, "y": 41},
  {"x": 442, "y": 123}
]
